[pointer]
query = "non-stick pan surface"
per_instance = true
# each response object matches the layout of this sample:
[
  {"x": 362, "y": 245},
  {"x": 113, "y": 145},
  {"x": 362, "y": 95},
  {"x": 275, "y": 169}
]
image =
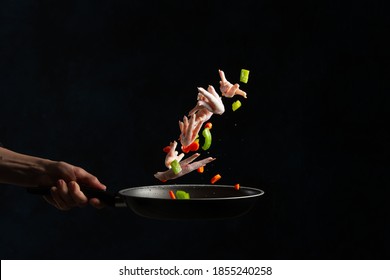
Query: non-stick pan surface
[{"x": 206, "y": 201}]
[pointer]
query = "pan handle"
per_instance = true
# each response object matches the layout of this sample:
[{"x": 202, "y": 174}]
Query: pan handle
[{"x": 108, "y": 198}]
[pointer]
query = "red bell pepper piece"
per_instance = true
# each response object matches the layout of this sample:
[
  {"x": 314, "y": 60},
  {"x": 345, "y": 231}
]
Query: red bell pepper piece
[
  {"x": 166, "y": 149},
  {"x": 215, "y": 178},
  {"x": 193, "y": 147}
]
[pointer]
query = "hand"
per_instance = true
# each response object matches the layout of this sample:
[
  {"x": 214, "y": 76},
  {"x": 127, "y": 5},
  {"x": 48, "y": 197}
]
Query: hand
[
  {"x": 30, "y": 171},
  {"x": 66, "y": 193},
  {"x": 65, "y": 196}
]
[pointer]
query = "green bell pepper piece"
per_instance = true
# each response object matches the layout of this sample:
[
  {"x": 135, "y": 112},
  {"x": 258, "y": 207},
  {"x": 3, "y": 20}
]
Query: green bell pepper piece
[
  {"x": 176, "y": 168},
  {"x": 182, "y": 195},
  {"x": 236, "y": 104},
  {"x": 207, "y": 138},
  {"x": 244, "y": 75}
]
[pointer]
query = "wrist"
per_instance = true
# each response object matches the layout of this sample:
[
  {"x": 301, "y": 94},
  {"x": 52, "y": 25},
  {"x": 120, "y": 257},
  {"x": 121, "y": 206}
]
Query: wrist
[{"x": 40, "y": 172}]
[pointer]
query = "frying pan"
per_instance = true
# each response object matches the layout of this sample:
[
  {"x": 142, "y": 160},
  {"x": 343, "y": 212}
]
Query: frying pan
[{"x": 206, "y": 201}]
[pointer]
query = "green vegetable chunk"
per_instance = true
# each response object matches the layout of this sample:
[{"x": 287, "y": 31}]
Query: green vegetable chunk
[
  {"x": 236, "y": 105},
  {"x": 244, "y": 75},
  {"x": 182, "y": 195},
  {"x": 176, "y": 168},
  {"x": 207, "y": 138}
]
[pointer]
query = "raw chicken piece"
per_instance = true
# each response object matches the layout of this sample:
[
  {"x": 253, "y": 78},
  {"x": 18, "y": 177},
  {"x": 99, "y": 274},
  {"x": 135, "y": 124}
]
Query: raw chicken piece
[
  {"x": 228, "y": 89},
  {"x": 202, "y": 114},
  {"x": 187, "y": 166},
  {"x": 209, "y": 103},
  {"x": 210, "y": 100},
  {"x": 172, "y": 155},
  {"x": 189, "y": 130}
]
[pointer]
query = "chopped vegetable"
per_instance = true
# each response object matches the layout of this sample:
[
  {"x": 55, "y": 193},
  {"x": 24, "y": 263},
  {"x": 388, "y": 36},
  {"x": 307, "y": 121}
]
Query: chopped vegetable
[
  {"x": 209, "y": 103},
  {"x": 236, "y": 104},
  {"x": 244, "y": 75},
  {"x": 193, "y": 147},
  {"x": 172, "y": 194},
  {"x": 182, "y": 195},
  {"x": 208, "y": 125},
  {"x": 176, "y": 168},
  {"x": 188, "y": 165},
  {"x": 207, "y": 138},
  {"x": 215, "y": 178},
  {"x": 237, "y": 186},
  {"x": 185, "y": 149}
]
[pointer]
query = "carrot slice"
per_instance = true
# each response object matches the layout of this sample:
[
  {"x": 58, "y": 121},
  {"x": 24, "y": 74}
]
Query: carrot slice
[
  {"x": 237, "y": 186},
  {"x": 208, "y": 125},
  {"x": 166, "y": 149},
  {"x": 215, "y": 178},
  {"x": 200, "y": 169},
  {"x": 172, "y": 194}
]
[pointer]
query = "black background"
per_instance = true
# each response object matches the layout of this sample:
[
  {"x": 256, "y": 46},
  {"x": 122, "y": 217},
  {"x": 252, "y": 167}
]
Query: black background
[{"x": 102, "y": 85}]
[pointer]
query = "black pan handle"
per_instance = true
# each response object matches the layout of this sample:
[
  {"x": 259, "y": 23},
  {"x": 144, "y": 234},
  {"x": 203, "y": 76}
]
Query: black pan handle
[{"x": 108, "y": 198}]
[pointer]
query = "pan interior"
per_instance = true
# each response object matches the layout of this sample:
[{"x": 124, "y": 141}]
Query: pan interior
[{"x": 196, "y": 191}]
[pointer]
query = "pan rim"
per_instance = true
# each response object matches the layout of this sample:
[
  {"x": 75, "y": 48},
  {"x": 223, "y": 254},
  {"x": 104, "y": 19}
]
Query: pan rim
[{"x": 259, "y": 192}]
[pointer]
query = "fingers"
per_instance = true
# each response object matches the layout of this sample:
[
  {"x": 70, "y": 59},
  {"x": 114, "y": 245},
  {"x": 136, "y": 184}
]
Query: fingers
[
  {"x": 77, "y": 195},
  {"x": 67, "y": 196},
  {"x": 60, "y": 196},
  {"x": 50, "y": 200},
  {"x": 96, "y": 203},
  {"x": 88, "y": 179},
  {"x": 66, "y": 193},
  {"x": 56, "y": 200}
]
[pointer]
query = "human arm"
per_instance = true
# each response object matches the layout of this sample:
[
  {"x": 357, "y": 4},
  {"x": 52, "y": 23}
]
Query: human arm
[{"x": 63, "y": 178}]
